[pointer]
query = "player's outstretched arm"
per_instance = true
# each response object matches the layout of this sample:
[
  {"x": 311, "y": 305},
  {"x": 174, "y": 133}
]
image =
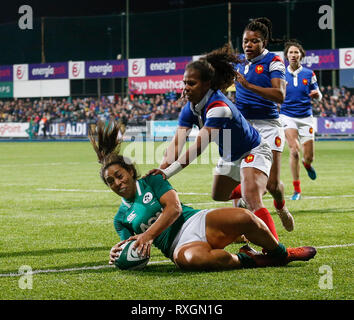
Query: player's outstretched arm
[
  {"x": 204, "y": 137},
  {"x": 202, "y": 140},
  {"x": 175, "y": 147}
]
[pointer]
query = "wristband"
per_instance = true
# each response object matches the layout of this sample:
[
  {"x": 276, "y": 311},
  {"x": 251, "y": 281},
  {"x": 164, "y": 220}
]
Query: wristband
[{"x": 173, "y": 169}]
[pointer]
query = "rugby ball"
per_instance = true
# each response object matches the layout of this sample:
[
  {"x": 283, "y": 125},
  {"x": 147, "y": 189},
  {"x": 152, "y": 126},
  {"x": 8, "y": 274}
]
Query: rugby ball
[{"x": 129, "y": 259}]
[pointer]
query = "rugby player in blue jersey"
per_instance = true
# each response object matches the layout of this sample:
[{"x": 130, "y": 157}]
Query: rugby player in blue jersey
[
  {"x": 151, "y": 213},
  {"x": 244, "y": 156},
  {"x": 296, "y": 113},
  {"x": 260, "y": 86}
]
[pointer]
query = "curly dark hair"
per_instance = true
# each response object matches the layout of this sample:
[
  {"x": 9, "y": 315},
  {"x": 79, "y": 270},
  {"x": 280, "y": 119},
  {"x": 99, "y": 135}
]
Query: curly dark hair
[
  {"x": 295, "y": 43},
  {"x": 217, "y": 67},
  {"x": 264, "y": 26},
  {"x": 107, "y": 148}
]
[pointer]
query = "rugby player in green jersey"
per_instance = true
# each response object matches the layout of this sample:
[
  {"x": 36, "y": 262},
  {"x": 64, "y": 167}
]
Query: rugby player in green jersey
[{"x": 151, "y": 213}]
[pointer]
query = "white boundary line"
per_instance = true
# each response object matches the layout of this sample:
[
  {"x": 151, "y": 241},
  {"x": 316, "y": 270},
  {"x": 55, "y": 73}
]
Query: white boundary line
[
  {"x": 3, "y": 275},
  {"x": 71, "y": 190},
  {"x": 192, "y": 193},
  {"x": 336, "y": 246},
  {"x": 44, "y": 164},
  {"x": 81, "y": 190},
  {"x": 70, "y": 269},
  {"x": 162, "y": 261}
]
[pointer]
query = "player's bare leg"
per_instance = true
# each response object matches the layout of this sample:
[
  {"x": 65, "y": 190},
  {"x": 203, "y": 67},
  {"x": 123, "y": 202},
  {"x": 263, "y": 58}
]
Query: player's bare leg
[
  {"x": 222, "y": 187},
  {"x": 223, "y": 226},
  {"x": 308, "y": 153},
  {"x": 276, "y": 188},
  {"x": 254, "y": 182},
  {"x": 294, "y": 148}
]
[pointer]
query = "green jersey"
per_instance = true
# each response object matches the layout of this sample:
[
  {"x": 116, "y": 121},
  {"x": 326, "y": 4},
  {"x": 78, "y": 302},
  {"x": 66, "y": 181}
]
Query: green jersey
[{"x": 136, "y": 216}]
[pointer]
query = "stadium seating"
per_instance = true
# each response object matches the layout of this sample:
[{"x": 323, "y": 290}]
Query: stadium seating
[{"x": 137, "y": 109}]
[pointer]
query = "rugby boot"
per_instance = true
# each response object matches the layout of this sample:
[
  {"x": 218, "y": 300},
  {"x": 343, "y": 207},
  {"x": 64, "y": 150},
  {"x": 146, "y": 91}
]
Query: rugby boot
[
  {"x": 310, "y": 171},
  {"x": 300, "y": 254},
  {"x": 296, "y": 196},
  {"x": 286, "y": 218}
]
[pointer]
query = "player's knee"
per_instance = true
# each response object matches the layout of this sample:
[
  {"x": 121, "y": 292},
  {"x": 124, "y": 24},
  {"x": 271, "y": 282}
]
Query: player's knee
[
  {"x": 295, "y": 153},
  {"x": 191, "y": 260},
  {"x": 245, "y": 217},
  {"x": 220, "y": 197},
  {"x": 252, "y": 195},
  {"x": 253, "y": 200},
  {"x": 308, "y": 158},
  {"x": 273, "y": 186}
]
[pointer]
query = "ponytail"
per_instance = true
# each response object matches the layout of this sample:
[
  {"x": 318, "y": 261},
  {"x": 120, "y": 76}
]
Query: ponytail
[
  {"x": 264, "y": 26},
  {"x": 107, "y": 147},
  {"x": 217, "y": 66}
]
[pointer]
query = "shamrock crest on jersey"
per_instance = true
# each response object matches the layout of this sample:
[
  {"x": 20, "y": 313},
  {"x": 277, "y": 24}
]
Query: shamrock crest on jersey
[{"x": 147, "y": 197}]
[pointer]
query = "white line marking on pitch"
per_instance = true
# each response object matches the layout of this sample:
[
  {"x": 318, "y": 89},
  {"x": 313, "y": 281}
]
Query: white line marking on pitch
[
  {"x": 71, "y": 269},
  {"x": 336, "y": 246},
  {"x": 40, "y": 164},
  {"x": 151, "y": 262},
  {"x": 81, "y": 190},
  {"x": 193, "y": 193},
  {"x": 72, "y": 190}
]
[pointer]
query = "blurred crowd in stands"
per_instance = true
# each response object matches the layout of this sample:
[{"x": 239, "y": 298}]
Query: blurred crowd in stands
[
  {"x": 137, "y": 109},
  {"x": 335, "y": 103}
]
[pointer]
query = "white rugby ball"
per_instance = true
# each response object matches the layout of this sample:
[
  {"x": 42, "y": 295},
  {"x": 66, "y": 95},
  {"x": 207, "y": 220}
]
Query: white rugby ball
[{"x": 129, "y": 259}]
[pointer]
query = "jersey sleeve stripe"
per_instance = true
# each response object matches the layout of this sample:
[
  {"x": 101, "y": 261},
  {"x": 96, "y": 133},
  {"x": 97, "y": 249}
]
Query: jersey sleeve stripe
[
  {"x": 220, "y": 112},
  {"x": 313, "y": 79},
  {"x": 277, "y": 66},
  {"x": 217, "y": 103},
  {"x": 277, "y": 58}
]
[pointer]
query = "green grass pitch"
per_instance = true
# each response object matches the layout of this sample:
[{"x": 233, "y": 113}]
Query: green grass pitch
[{"x": 56, "y": 216}]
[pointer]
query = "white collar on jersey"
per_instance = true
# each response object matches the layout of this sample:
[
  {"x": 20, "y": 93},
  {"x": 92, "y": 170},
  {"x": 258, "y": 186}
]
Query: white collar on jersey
[
  {"x": 294, "y": 73},
  {"x": 197, "y": 109},
  {"x": 261, "y": 56},
  {"x": 139, "y": 193},
  {"x": 138, "y": 187}
]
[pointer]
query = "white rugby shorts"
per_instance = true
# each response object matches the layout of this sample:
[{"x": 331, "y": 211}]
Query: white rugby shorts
[
  {"x": 260, "y": 157},
  {"x": 304, "y": 127},
  {"x": 272, "y": 131},
  {"x": 192, "y": 230}
]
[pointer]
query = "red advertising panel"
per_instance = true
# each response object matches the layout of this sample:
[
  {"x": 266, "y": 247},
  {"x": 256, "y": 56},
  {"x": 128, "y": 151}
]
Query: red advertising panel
[{"x": 156, "y": 84}]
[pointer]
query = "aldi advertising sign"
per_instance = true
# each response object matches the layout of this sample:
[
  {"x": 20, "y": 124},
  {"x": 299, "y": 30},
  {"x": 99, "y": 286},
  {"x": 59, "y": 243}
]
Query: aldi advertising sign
[{"x": 67, "y": 129}]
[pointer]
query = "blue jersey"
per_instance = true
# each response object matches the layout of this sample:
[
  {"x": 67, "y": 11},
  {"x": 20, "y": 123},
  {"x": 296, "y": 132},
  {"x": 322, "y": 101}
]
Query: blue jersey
[
  {"x": 236, "y": 135},
  {"x": 300, "y": 83},
  {"x": 259, "y": 71}
]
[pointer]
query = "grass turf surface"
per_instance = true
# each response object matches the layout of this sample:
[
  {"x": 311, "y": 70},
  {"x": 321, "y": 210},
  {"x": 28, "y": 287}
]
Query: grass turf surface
[{"x": 56, "y": 216}]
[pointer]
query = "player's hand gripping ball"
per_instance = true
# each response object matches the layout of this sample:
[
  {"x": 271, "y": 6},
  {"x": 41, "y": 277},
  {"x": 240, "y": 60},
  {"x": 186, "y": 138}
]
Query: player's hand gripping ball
[{"x": 129, "y": 259}]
